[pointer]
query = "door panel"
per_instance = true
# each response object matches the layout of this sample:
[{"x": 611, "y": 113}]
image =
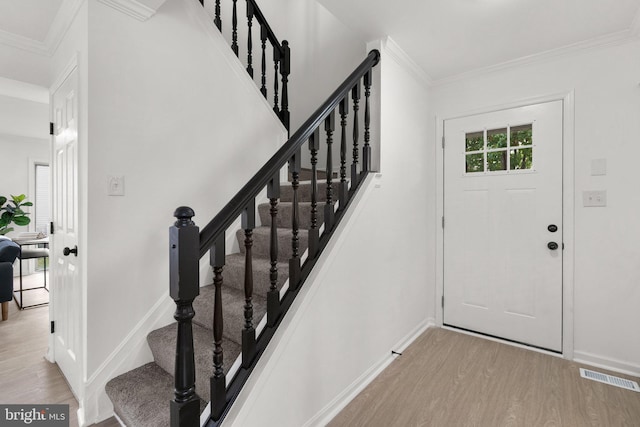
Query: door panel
[{"x": 503, "y": 187}]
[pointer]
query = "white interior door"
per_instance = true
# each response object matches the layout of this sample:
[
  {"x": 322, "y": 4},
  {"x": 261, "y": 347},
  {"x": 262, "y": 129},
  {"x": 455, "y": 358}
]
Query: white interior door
[
  {"x": 66, "y": 292},
  {"x": 502, "y": 200}
]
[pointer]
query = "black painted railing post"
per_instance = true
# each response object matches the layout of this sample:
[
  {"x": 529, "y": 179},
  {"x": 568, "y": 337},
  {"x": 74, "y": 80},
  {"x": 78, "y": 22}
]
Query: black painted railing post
[
  {"x": 249, "y": 332},
  {"x": 218, "y": 380},
  {"x": 217, "y": 19},
  {"x": 366, "y": 150},
  {"x": 285, "y": 70},
  {"x": 276, "y": 93},
  {"x": 294, "y": 261},
  {"x": 263, "y": 42},
  {"x": 249, "y": 38},
  {"x": 344, "y": 186},
  {"x": 355, "y": 95},
  {"x": 184, "y": 241},
  {"x": 329, "y": 127},
  {"x": 234, "y": 28},
  {"x": 273, "y": 296},
  {"x": 314, "y": 238}
]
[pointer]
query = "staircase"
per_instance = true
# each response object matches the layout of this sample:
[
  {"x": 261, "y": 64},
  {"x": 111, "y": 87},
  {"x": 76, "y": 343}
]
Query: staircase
[
  {"x": 140, "y": 397},
  {"x": 222, "y": 329}
]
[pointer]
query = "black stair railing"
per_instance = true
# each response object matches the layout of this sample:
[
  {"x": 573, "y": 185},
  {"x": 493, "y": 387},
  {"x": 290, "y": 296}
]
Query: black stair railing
[
  {"x": 188, "y": 244},
  {"x": 281, "y": 53}
]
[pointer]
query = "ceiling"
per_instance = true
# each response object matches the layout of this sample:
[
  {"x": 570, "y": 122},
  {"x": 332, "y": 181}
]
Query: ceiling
[
  {"x": 31, "y": 19},
  {"x": 450, "y": 37}
]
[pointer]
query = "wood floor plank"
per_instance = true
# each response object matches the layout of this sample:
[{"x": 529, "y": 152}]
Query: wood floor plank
[{"x": 446, "y": 378}]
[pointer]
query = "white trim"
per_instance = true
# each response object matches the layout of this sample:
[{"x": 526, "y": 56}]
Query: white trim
[
  {"x": 334, "y": 407},
  {"x": 608, "y": 363},
  {"x": 607, "y": 40},
  {"x": 132, "y": 8},
  {"x": 568, "y": 172},
  {"x": 132, "y": 352},
  {"x": 401, "y": 58},
  {"x": 23, "y": 43},
  {"x": 21, "y": 90}
]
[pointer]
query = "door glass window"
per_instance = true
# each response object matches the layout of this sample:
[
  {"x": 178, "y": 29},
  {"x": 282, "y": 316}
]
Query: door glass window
[{"x": 503, "y": 149}]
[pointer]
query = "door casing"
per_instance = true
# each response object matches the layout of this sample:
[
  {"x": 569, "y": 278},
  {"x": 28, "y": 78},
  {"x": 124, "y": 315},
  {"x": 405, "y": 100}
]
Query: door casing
[{"x": 568, "y": 208}]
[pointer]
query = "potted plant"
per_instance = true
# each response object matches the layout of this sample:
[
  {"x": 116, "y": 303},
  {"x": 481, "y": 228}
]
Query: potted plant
[{"x": 12, "y": 212}]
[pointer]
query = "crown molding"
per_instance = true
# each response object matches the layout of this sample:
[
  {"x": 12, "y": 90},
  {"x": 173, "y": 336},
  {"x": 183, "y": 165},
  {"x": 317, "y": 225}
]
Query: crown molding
[
  {"x": 608, "y": 40},
  {"x": 23, "y": 43},
  {"x": 21, "y": 90},
  {"x": 61, "y": 23},
  {"x": 138, "y": 9},
  {"x": 400, "y": 56}
]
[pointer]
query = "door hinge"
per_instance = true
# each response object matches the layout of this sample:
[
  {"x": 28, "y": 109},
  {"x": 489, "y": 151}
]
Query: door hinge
[
  {"x": 442, "y": 222},
  {"x": 442, "y": 301},
  {"x": 51, "y": 131},
  {"x": 53, "y": 326},
  {"x": 443, "y": 142},
  {"x": 51, "y": 228}
]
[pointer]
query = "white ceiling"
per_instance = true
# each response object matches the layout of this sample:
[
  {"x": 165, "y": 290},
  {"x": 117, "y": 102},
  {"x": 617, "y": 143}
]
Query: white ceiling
[
  {"x": 451, "y": 37},
  {"x": 31, "y": 19}
]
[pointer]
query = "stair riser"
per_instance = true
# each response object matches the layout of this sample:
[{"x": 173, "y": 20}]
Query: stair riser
[
  {"x": 262, "y": 244},
  {"x": 285, "y": 214}
]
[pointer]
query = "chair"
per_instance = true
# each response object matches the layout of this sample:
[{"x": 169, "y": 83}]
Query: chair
[
  {"x": 8, "y": 253},
  {"x": 28, "y": 253}
]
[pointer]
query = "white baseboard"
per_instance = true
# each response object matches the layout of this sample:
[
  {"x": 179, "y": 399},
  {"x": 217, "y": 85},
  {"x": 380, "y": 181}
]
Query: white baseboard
[
  {"x": 334, "y": 407},
  {"x": 132, "y": 352},
  {"x": 608, "y": 363}
]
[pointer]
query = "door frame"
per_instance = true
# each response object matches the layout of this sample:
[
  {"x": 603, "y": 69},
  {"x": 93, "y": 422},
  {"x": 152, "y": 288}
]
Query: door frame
[
  {"x": 73, "y": 66},
  {"x": 568, "y": 209}
]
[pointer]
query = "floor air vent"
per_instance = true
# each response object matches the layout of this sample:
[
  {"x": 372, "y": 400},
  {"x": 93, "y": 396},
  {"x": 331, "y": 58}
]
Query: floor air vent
[{"x": 608, "y": 379}]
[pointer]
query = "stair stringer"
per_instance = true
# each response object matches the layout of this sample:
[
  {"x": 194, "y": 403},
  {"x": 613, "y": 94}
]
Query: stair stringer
[{"x": 296, "y": 352}]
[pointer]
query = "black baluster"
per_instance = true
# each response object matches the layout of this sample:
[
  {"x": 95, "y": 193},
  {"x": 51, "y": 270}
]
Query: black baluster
[
  {"x": 250, "y": 38},
  {"x": 249, "y": 332},
  {"x": 202, "y": 2},
  {"x": 314, "y": 146},
  {"x": 217, "y": 19},
  {"x": 273, "y": 296},
  {"x": 263, "y": 39},
  {"x": 355, "y": 95},
  {"x": 184, "y": 239},
  {"x": 285, "y": 69},
  {"x": 294, "y": 261},
  {"x": 234, "y": 28},
  {"x": 329, "y": 127},
  {"x": 344, "y": 186},
  {"x": 218, "y": 380},
  {"x": 366, "y": 150},
  {"x": 276, "y": 63}
]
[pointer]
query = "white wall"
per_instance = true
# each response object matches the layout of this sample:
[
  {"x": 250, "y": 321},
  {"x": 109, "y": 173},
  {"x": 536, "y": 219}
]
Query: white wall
[
  {"x": 607, "y": 110},
  {"x": 372, "y": 289},
  {"x": 25, "y": 66}
]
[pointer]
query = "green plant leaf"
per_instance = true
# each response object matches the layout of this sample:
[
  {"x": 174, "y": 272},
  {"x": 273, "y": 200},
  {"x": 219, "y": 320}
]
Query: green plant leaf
[
  {"x": 18, "y": 199},
  {"x": 22, "y": 220},
  {"x": 27, "y": 204},
  {"x": 3, "y": 200},
  {"x": 5, "y": 231}
]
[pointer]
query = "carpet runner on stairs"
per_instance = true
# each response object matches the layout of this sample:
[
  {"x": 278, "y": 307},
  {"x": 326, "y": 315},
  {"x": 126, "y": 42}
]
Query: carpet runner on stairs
[{"x": 141, "y": 397}]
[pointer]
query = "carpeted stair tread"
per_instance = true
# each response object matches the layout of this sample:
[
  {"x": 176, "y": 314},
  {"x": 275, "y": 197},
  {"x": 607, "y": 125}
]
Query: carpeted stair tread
[
  {"x": 285, "y": 210},
  {"x": 262, "y": 243},
  {"x": 232, "y": 310},
  {"x": 163, "y": 346},
  {"x": 141, "y": 396},
  {"x": 304, "y": 191},
  {"x": 233, "y": 274}
]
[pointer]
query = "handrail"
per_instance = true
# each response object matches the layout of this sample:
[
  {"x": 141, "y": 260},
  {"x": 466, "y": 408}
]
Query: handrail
[
  {"x": 241, "y": 200},
  {"x": 263, "y": 22}
]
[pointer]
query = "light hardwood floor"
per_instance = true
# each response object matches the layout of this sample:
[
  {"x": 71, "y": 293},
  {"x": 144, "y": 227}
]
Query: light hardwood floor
[
  {"x": 448, "y": 379},
  {"x": 26, "y": 377}
]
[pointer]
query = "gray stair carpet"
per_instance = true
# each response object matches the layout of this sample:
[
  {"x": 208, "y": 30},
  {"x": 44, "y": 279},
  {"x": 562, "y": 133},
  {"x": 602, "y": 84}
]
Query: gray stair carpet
[{"x": 141, "y": 397}]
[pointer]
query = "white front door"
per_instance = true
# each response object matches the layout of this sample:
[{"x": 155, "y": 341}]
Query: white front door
[
  {"x": 66, "y": 291},
  {"x": 502, "y": 217}
]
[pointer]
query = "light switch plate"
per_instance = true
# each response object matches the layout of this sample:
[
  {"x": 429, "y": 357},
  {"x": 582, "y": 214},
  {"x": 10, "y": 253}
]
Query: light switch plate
[
  {"x": 594, "y": 198},
  {"x": 115, "y": 185}
]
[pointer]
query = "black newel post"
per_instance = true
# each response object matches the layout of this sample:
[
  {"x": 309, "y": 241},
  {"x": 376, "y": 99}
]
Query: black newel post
[
  {"x": 184, "y": 243},
  {"x": 218, "y": 382}
]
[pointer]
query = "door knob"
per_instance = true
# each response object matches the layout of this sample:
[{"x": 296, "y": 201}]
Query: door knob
[
  {"x": 552, "y": 228},
  {"x": 552, "y": 245},
  {"x": 67, "y": 251}
]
